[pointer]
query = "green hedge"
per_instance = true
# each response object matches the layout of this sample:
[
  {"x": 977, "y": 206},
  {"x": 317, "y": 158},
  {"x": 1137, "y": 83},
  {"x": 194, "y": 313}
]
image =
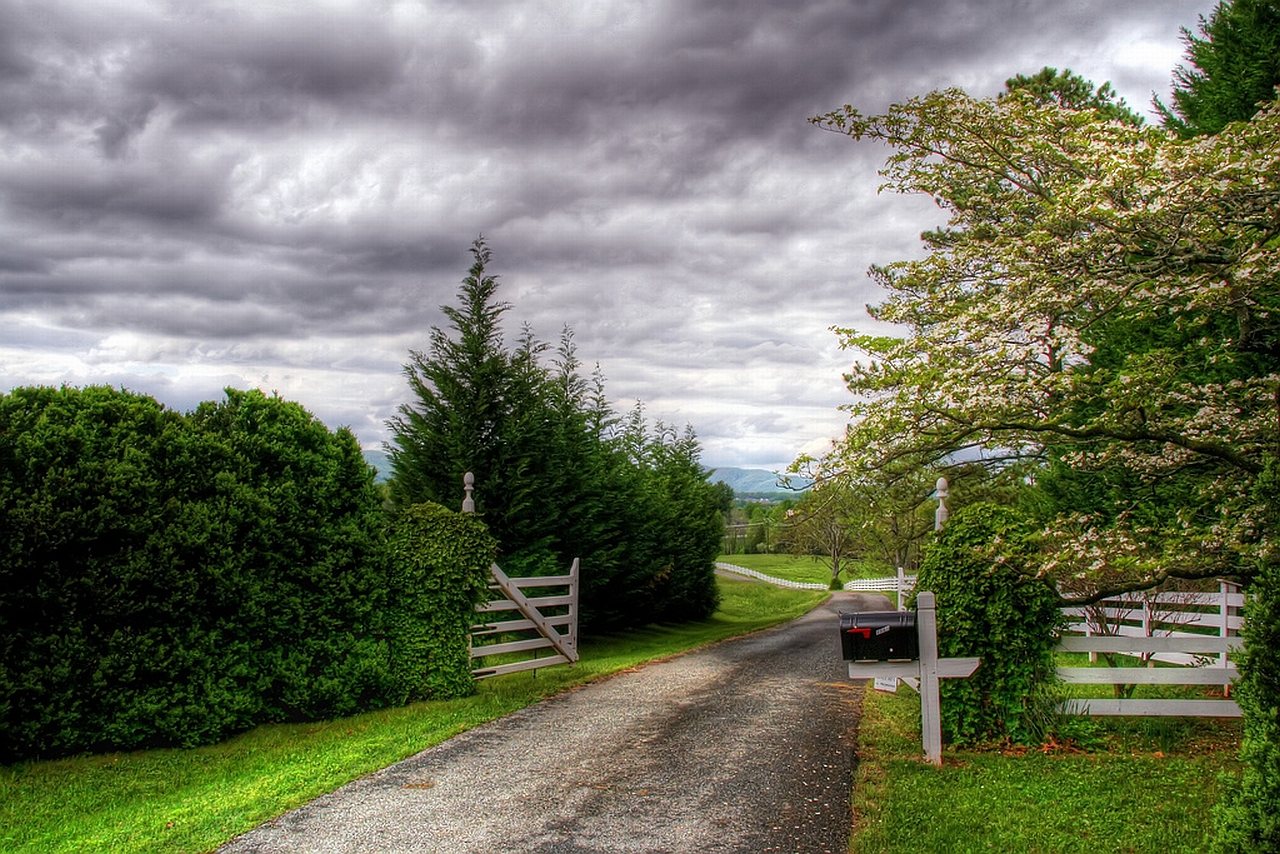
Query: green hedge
[
  {"x": 990, "y": 608},
  {"x": 1248, "y": 818},
  {"x": 169, "y": 579},
  {"x": 441, "y": 572}
]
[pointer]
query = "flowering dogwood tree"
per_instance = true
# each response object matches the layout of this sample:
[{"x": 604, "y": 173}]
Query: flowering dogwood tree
[{"x": 1104, "y": 297}]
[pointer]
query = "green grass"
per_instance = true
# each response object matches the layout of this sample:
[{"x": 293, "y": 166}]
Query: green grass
[
  {"x": 804, "y": 568},
  {"x": 195, "y": 800},
  {"x": 1147, "y": 787}
]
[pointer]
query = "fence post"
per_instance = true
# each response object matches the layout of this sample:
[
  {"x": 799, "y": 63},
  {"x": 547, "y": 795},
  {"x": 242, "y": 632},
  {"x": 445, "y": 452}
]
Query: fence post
[
  {"x": 902, "y": 589},
  {"x": 1224, "y": 627},
  {"x": 930, "y": 702},
  {"x": 940, "y": 515},
  {"x": 468, "y": 486}
]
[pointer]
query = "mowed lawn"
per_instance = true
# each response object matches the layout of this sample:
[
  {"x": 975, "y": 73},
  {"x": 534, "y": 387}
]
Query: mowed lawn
[
  {"x": 804, "y": 568},
  {"x": 1137, "y": 786}
]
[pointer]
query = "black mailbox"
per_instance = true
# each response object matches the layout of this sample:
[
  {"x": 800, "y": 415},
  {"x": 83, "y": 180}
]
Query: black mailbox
[{"x": 879, "y": 636}]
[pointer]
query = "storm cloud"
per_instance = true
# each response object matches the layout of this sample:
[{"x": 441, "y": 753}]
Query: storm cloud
[{"x": 281, "y": 195}]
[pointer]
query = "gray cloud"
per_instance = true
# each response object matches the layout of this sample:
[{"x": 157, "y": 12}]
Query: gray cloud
[{"x": 282, "y": 195}]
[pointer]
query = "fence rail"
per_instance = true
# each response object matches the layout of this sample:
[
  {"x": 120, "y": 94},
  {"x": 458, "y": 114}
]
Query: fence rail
[
  {"x": 1170, "y": 628},
  {"x": 901, "y": 584}
]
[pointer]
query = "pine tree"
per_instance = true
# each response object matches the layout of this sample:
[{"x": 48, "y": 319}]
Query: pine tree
[{"x": 1234, "y": 64}]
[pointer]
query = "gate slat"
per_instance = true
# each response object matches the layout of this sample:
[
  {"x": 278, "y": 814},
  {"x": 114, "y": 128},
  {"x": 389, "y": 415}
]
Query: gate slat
[
  {"x": 484, "y": 629},
  {"x": 511, "y": 646},
  {"x": 518, "y": 666},
  {"x": 539, "y": 602}
]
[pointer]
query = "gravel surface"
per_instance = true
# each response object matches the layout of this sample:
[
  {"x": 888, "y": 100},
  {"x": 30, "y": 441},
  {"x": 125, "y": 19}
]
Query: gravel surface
[{"x": 745, "y": 746}]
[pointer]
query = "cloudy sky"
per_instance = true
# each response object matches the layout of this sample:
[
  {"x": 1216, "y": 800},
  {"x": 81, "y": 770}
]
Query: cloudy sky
[{"x": 250, "y": 193}]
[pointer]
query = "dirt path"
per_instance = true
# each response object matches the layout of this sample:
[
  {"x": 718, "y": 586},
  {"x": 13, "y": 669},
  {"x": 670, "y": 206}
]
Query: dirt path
[{"x": 746, "y": 746}]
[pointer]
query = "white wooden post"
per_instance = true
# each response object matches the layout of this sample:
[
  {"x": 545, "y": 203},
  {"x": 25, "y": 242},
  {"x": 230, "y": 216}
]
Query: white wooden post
[
  {"x": 468, "y": 486},
  {"x": 1147, "y": 626},
  {"x": 902, "y": 589},
  {"x": 930, "y": 704},
  {"x": 928, "y": 670},
  {"x": 941, "y": 514},
  {"x": 1224, "y": 627}
]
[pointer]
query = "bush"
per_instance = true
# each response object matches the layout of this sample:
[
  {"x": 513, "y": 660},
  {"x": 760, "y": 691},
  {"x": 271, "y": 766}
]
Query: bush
[
  {"x": 167, "y": 579},
  {"x": 440, "y": 572},
  {"x": 300, "y": 574},
  {"x": 1247, "y": 819},
  {"x": 101, "y": 577},
  {"x": 990, "y": 608}
]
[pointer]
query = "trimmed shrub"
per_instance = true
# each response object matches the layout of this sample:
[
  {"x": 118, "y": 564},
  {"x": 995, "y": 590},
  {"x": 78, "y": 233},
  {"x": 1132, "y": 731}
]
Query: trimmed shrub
[
  {"x": 990, "y": 608},
  {"x": 440, "y": 572},
  {"x": 300, "y": 576},
  {"x": 167, "y": 579},
  {"x": 1247, "y": 818}
]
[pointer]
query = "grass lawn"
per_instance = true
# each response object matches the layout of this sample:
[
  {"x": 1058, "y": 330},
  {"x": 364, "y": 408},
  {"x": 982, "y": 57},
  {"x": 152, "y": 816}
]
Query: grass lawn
[
  {"x": 195, "y": 800},
  {"x": 803, "y": 568},
  {"x": 1145, "y": 785}
]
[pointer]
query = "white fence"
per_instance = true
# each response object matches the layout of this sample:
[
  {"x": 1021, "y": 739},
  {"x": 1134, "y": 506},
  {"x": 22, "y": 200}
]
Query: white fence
[
  {"x": 1171, "y": 614},
  {"x": 901, "y": 584},
  {"x": 1195, "y": 631}
]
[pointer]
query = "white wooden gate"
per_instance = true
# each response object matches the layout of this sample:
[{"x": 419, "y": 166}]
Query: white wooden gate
[
  {"x": 535, "y": 626},
  {"x": 537, "y": 621}
]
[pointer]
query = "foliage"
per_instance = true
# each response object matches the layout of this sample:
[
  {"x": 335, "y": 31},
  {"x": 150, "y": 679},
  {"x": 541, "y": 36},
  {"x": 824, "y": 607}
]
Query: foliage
[
  {"x": 169, "y": 579},
  {"x": 301, "y": 570},
  {"x": 1234, "y": 65},
  {"x": 828, "y": 523},
  {"x": 1101, "y": 311},
  {"x": 1247, "y": 819},
  {"x": 1102, "y": 298},
  {"x": 481, "y": 409},
  {"x": 439, "y": 573},
  {"x": 989, "y": 607},
  {"x": 1072, "y": 92},
  {"x": 558, "y": 475}
]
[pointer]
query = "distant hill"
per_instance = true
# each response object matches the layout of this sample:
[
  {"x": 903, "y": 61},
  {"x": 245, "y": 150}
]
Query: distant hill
[
  {"x": 754, "y": 481},
  {"x": 379, "y": 460}
]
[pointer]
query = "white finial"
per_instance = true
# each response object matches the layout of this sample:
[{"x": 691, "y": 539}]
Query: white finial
[
  {"x": 941, "y": 514},
  {"x": 468, "y": 485}
]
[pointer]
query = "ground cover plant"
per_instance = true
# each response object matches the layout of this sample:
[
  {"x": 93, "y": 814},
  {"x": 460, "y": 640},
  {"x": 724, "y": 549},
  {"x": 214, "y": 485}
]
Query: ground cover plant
[
  {"x": 1144, "y": 785},
  {"x": 195, "y": 800}
]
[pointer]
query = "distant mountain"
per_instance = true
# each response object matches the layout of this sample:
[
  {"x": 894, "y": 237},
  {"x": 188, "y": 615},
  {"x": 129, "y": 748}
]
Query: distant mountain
[
  {"x": 753, "y": 481},
  {"x": 380, "y": 461},
  {"x": 743, "y": 481}
]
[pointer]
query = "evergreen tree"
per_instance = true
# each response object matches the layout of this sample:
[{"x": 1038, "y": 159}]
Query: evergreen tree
[
  {"x": 481, "y": 409},
  {"x": 1234, "y": 66},
  {"x": 1070, "y": 91},
  {"x": 558, "y": 476}
]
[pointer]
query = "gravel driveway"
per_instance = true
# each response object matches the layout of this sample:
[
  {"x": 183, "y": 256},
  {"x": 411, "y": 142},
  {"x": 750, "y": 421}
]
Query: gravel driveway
[{"x": 745, "y": 746}]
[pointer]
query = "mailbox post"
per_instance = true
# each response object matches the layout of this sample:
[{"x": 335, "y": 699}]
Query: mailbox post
[{"x": 867, "y": 662}]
